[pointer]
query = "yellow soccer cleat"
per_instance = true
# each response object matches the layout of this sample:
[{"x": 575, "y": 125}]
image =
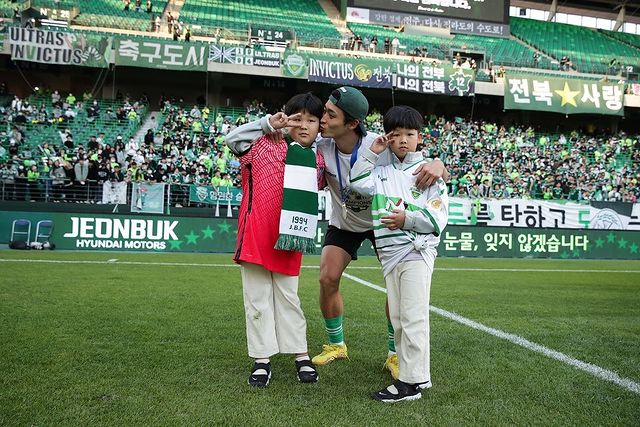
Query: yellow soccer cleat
[
  {"x": 393, "y": 366},
  {"x": 330, "y": 352}
]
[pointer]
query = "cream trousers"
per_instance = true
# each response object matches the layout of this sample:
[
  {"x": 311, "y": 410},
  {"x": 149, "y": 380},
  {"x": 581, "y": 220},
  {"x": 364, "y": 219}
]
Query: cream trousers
[
  {"x": 275, "y": 321},
  {"x": 408, "y": 289}
]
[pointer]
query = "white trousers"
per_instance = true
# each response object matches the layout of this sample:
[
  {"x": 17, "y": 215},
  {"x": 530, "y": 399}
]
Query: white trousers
[
  {"x": 408, "y": 290},
  {"x": 275, "y": 321}
]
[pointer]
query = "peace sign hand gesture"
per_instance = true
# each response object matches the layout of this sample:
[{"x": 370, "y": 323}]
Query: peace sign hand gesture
[
  {"x": 281, "y": 120},
  {"x": 381, "y": 143}
]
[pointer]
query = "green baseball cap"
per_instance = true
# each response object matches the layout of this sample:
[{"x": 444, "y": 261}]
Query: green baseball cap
[{"x": 353, "y": 103}]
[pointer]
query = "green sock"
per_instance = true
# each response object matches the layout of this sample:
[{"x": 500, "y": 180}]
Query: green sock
[
  {"x": 391, "y": 342},
  {"x": 334, "y": 330}
]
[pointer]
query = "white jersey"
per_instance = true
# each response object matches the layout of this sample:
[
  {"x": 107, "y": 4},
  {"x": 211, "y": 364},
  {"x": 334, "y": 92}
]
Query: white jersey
[
  {"x": 393, "y": 186},
  {"x": 356, "y": 206}
]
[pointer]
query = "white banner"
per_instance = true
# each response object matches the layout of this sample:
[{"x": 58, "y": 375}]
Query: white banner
[
  {"x": 114, "y": 193},
  {"x": 541, "y": 214},
  {"x": 531, "y": 214}
]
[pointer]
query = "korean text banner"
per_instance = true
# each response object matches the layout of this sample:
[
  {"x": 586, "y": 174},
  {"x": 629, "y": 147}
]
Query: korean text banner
[
  {"x": 350, "y": 71},
  {"x": 168, "y": 55},
  {"x": 568, "y": 96},
  {"x": 443, "y": 79},
  {"x": 57, "y": 47},
  {"x": 214, "y": 195},
  {"x": 521, "y": 213}
]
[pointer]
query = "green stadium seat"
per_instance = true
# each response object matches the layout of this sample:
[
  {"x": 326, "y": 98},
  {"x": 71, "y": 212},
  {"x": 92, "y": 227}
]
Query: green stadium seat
[
  {"x": 307, "y": 19},
  {"x": 589, "y": 50}
]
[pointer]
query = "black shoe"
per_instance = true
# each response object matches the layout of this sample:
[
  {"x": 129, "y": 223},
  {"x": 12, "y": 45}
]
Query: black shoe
[
  {"x": 309, "y": 375},
  {"x": 260, "y": 379},
  {"x": 397, "y": 392}
]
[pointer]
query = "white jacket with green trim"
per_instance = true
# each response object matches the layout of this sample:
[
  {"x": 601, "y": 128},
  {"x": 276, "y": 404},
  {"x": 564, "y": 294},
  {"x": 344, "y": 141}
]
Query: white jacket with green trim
[{"x": 426, "y": 212}]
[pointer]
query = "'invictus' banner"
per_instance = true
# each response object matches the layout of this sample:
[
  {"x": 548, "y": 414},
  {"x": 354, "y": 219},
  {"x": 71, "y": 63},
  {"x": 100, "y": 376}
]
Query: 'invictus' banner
[
  {"x": 350, "y": 71},
  {"x": 57, "y": 47}
]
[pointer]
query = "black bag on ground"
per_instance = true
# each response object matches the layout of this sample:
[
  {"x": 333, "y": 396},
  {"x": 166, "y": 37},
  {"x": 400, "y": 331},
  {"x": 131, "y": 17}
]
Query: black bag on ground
[{"x": 18, "y": 244}]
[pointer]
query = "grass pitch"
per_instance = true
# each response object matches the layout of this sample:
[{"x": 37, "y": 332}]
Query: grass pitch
[{"x": 158, "y": 339}]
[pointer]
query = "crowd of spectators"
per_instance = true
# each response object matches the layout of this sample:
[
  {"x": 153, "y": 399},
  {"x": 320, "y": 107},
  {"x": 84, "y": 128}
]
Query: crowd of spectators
[
  {"x": 186, "y": 146},
  {"x": 490, "y": 161}
]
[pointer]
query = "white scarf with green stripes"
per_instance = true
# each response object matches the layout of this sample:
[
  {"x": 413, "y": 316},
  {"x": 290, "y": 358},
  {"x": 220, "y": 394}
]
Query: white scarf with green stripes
[{"x": 299, "y": 214}]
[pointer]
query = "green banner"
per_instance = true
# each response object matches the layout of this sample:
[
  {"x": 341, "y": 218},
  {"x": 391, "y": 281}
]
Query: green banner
[
  {"x": 294, "y": 65},
  {"x": 567, "y": 96},
  {"x": 499, "y": 242},
  {"x": 363, "y": 72},
  {"x": 443, "y": 79},
  {"x": 168, "y": 55},
  {"x": 59, "y": 47},
  {"x": 213, "y": 195},
  {"x": 147, "y": 197},
  {"x": 180, "y": 234}
]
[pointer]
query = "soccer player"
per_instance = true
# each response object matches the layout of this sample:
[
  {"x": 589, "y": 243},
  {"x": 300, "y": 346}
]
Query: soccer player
[{"x": 407, "y": 223}]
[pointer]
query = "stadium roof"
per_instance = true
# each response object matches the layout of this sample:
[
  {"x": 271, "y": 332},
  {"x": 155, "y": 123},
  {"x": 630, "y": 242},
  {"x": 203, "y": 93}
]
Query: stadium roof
[{"x": 612, "y": 6}]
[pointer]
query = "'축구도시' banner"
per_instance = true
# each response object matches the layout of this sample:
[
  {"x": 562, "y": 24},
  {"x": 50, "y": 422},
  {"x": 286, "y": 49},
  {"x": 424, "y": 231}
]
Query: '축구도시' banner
[
  {"x": 443, "y": 79},
  {"x": 568, "y": 96},
  {"x": 168, "y": 55},
  {"x": 57, "y": 47}
]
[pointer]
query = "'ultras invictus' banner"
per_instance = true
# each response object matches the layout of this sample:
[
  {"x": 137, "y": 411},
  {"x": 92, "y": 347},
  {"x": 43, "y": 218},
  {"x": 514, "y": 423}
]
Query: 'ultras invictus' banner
[
  {"x": 57, "y": 47},
  {"x": 568, "y": 96},
  {"x": 168, "y": 55}
]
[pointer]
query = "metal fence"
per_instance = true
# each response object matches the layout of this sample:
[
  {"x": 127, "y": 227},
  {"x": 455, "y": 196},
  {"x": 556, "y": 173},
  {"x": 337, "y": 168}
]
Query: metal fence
[{"x": 47, "y": 191}]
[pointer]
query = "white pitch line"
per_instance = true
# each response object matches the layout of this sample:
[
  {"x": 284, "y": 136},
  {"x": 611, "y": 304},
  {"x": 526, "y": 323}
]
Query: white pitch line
[
  {"x": 589, "y": 368},
  {"x": 363, "y": 267},
  {"x": 594, "y": 370}
]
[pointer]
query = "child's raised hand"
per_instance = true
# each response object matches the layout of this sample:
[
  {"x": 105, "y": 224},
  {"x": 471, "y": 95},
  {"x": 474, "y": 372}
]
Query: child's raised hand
[
  {"x": 381, "y": 143},
  {"x": 281, "y": 120}
]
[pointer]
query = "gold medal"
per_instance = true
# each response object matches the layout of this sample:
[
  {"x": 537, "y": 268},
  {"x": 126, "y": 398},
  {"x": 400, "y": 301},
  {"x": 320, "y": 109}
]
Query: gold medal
[{"x": 344, "y": 211}]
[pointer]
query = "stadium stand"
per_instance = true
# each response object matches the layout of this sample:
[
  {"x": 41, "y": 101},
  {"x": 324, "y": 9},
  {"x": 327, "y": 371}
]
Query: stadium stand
[
  {"x": 187, "y": 146},
  {"x": 307, "y": 19},
  {"x": 589, "y": 50},
  {"x": 110, "y": 13},
  {"x": 630, "y": 39},
  {"x": 505, "y": 51},
  {"x": 7, "y": 8}
]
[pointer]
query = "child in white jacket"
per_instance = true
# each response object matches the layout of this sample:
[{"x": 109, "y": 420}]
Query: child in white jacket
[{"x": 407, "y": 224}]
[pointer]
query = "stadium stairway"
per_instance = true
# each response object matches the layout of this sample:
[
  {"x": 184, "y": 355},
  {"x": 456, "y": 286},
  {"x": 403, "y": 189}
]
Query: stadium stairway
[
  {"x": 150, "y": 122},
  {"x": 174, "y": 7},
  {"x": 334, "y": 15}
]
